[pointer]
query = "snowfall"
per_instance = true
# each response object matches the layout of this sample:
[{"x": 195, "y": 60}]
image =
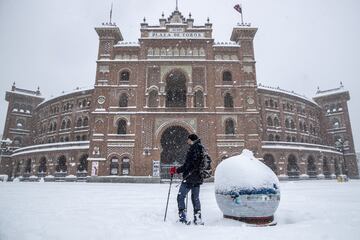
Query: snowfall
[{"x": 319, "y": 209}]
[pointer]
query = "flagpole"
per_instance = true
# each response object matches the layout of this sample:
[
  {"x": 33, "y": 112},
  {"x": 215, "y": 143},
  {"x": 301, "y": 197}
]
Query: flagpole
[
  {"x": 111, "y": 12},
  {"x": 242, "y": 19}
]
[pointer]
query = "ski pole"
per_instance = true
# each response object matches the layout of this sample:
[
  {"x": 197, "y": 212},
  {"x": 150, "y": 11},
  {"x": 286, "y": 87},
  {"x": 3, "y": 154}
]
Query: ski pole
[
  {"x": 186, "y": 204},
  {"x": 167, "y": 202}
]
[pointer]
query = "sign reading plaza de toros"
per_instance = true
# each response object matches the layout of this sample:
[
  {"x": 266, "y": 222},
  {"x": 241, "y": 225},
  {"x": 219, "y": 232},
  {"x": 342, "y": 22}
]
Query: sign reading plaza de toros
[{"x": 176, "y": 33}]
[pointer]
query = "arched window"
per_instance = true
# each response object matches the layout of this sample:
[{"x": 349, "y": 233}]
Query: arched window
[
  {"x": 125, "y": 166},
  {"x": 276, "y": 122},
  {"x": 288, "y": 139},
  {"x": 287, "y": 123},
  {"x": 61, "y": 166},
  {"x": 86, "y": 121},
  {"x": 153, "y": 99},
  {"x": 336, "y": 123},
  {"x": 301, "y": 126},
  {"x": 114, "y": 166},
  {"x": 28, "y": 166},
  {"x": 20, "y": 123},
  {"x": 293, "y": 139},
  {"x": 68, "y": 123},
  {"x": 78, "y": 138},
  {"x": 63, "y": 124},
  {"x": 227, "y": 77},
  {"x": 305, "y": 127},
  {"x": 269, "y": 121},
  {"x": 121, "y": 127},
  {"x": 271, "y": 103},
  {"x": 199, "y": 99},
  {"x": 326, "y": 168},
  {"x": 42, "y": 166},
  {"x": 292, "y": 124},
  {"x": 228, "y": 101},
  {"x": 123, "y": 102},
  {"x": 84, "y": 137},
  {"x": 277, "y": 138},
  {"x": 339, "y": 107},
  {"x": 83, "y": 163},
  {"x": 79, "y": 122},
  {"x": 271, "y": 137},
  {"x": 125, "y": 76},
  {"x": 229, "y": 126}
]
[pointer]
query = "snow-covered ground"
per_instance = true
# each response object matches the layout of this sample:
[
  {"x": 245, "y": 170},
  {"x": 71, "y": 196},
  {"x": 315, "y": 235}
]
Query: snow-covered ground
[{"x": 308, "y": 210}]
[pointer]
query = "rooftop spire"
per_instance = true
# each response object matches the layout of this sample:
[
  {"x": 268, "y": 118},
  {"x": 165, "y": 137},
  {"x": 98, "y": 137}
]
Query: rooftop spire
[{"x": 176, "y": 6}]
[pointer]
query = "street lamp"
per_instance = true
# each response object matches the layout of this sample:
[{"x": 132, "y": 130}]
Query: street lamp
[{"x": 342, "y": 146}]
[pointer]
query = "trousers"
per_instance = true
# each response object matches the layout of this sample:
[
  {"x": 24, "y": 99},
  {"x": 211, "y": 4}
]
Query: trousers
[{"x": 195, "y": 192}]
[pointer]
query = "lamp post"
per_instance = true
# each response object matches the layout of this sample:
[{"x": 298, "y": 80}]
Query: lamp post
[{"x": 342, "y": 146}]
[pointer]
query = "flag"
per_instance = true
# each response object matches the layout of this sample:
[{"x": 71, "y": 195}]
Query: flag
[{"x": 237, "y": 7}]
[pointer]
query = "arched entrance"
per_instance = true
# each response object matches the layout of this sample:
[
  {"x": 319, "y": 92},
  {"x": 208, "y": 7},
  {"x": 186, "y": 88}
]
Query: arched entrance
[
  {"x": 269, "y": 160},
  {"x": 175, "y": 89},
  {"x": 293, "y": 170},
  {"x": 174, "y": 148}
]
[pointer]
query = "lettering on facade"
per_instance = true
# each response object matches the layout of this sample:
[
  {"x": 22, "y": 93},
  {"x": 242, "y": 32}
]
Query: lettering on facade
[{"x": 176, "y": 34}]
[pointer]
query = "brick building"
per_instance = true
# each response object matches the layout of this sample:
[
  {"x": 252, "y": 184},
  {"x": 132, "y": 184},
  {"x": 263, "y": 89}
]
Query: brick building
[{"x": 148, "y": 96}]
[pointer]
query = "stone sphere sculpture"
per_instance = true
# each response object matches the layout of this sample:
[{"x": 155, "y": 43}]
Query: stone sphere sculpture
[{"x": 246, "y": 189}]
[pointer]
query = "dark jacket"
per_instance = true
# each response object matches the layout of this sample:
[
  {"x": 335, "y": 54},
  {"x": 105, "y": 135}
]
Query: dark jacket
[{"x": 190, "y": 168}]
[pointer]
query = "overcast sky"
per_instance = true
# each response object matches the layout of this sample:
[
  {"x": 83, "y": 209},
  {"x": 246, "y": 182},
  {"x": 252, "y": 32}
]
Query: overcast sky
[{"x": 300, "y": 44}]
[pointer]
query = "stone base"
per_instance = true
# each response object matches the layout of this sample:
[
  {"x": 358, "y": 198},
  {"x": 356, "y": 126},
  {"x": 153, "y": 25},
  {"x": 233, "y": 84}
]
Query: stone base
[{"x": 258, "y": 221}]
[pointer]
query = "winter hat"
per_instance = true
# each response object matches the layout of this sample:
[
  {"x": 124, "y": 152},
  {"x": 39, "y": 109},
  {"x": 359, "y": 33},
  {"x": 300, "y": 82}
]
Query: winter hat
[{"x": 193, "y": 137}]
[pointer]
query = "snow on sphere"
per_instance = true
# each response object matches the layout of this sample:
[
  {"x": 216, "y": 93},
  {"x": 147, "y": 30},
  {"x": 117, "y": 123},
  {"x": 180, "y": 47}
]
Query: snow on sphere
[{"x": 246, "y": 188}]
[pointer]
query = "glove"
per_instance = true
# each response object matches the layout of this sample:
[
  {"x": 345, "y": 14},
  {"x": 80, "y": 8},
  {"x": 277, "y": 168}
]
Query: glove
[{"x": 172, "y": 170}]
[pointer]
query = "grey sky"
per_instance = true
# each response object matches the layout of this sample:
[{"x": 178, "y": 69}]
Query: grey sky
[{"x": 300, "y": 44}]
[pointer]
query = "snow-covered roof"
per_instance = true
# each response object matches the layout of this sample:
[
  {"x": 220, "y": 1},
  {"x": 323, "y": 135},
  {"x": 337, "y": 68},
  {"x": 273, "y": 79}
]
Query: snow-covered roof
[
  {"x": 84, "y": 89},
  {"x": 291, "y": 93},
  {"x": 323, "y": 93},
  {"x": 25, "y": 93},
  {"x": 299, "y": 146}
]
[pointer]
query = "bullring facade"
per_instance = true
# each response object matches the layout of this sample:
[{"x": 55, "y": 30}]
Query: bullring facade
[{"x": 148, "y": 96}]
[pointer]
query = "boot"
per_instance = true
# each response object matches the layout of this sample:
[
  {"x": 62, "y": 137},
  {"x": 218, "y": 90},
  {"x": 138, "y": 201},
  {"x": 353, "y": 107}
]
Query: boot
[
  {"x": 182, "y": 217},
  {"x": 197, "y": 218}
]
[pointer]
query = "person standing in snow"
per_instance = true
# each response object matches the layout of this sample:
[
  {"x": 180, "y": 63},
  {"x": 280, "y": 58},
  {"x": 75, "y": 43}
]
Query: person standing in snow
[{"x": 191, "y": 180}]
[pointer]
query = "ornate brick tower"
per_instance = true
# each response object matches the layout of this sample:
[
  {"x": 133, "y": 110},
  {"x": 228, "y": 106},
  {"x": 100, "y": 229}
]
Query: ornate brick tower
[
  {"x": 18, "y": 124},
  {"x": 338, "y": 127}
]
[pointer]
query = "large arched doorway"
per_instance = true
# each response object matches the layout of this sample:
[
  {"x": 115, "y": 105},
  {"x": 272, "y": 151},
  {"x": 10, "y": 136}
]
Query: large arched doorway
[
  {"x": 174, "y": 148},
  {"x": 175, "y": 89}
]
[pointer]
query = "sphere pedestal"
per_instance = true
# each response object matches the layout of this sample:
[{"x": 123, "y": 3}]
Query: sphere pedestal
[{"x": 258, "y": 221}]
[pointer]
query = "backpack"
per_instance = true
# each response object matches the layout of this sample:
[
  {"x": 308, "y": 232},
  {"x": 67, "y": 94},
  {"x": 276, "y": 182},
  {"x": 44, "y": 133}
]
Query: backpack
[{"x": 205, "y": 164}]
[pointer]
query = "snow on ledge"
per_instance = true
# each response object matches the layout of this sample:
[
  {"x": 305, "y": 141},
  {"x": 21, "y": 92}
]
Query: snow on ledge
[
  {"x": 51, "y": 147},
  {"x": 84, "y": 89},
  {"x": 291, "y": 93}
]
